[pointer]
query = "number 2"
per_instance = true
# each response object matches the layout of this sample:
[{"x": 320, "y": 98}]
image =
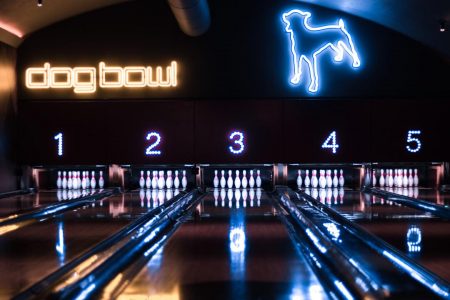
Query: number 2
[
  {"x": 150, "y": 149},
  {"x": 330, "y": 142},
  {"x": 239, "y": 142}
]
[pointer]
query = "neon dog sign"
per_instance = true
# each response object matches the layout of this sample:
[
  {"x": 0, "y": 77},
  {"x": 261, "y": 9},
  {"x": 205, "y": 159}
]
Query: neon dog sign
[
  {"x": 334, "y": 37},
  {"x": 84, "y": 79}
]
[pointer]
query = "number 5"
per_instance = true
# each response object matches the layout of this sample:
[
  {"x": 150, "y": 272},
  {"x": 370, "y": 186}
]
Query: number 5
[{"x": 411, "y": 139}]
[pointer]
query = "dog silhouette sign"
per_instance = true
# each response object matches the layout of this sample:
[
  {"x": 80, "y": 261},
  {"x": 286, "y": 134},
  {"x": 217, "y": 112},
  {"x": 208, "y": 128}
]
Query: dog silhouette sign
[{"x": 308, "y": 42}]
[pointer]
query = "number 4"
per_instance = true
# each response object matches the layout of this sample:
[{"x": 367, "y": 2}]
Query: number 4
[{"x": 330, "y": 142}]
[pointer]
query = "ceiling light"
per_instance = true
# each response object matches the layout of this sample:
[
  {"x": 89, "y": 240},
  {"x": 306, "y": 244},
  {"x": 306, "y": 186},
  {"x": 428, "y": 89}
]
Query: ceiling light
[
  {"x": 39, "y": 3},
  {"x": 443, "y": 26}
]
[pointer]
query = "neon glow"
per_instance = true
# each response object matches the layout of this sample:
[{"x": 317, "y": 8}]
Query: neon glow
[
  {"x": 331, "y": 138},
  {"x": 333, "y": 230},
  {"x": 237, "y": 240},
  {"x": 414, "y": 239},
  {"x": 11, "y": 29},
  {"x": 239, "y": 142},
  {"x": 59, "y": 138},
  {"x": 342, "y": 42},
  {"x": 83, "y": 80},
  {"x": 411, "y": 139},
  {"x": 150, "y": 149}
]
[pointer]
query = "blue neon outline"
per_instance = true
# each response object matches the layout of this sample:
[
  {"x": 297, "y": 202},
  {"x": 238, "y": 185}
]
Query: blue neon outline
[
  {"x": 240, "y": 142},
  {"x": 312, "y": 65}
]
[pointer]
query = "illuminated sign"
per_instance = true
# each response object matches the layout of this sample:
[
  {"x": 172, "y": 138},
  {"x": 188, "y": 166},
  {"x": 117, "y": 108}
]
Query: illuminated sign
[
  {"x": 83, "y": 80},
  {"x": 237, "y": 137},
  {"x": 334, "y": 37}
]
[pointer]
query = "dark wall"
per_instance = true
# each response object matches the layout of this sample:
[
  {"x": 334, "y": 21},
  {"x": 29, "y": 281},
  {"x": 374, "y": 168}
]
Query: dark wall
[
  {"x": 245, "y": 54},
  {"x": 8, "y": 114}
]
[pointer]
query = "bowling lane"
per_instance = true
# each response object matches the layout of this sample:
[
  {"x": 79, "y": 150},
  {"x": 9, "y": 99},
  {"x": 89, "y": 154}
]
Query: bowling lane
[
  {"x": 417, "y": 234},
  {"x": 236, "y": 249},
  {"x": 30, "y": 253},
  {"x": 433, "y": 196}
]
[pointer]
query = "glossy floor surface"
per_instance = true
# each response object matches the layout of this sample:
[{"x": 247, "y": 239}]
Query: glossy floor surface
[
  {"x": 30, "y": 253},
  {"x": 236, "y": 249},
  {"x": 418, "y": 234}
]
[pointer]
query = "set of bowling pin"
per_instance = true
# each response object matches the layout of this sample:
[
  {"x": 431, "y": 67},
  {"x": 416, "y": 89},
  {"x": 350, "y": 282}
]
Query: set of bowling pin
[
  {"x": 157, "y": 180},
  {"x": 237, "y": 182},
  {"x": 154, "y": 198},
  {"x": 325, "y": 179},
  {"x": 223, "y": 194},
  {"x": 75, "y": 180},
  {"x": 396, "y": 178}
]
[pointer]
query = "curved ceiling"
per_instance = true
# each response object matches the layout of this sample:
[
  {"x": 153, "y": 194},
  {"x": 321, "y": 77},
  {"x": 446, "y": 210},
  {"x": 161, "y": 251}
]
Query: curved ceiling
[{"x": 417, "y": 19}]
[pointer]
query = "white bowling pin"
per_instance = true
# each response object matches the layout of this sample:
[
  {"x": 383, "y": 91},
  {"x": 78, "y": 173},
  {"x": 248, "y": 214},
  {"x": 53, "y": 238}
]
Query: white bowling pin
[
  {"x": 142, "y": 180},
  {"x": 244, "y": 179},
  {"x": 400, "y": 178},
  {"x": 390, "y": 179},
  {"x": 223, "y": 182},
  {"x": 93, "y": 181},
  {"x": 335, "y": 178},
  {"x": 154, "y": 180},
  {"x": 382, "y": 180},
  {"x": 59, "y": 180},
  {"x": 258, "y": 178},
  {"x": 416, "y": 178},
  {"x": 101, "y": 180},
  {"x": 64, "y": 180},
  {"x": 405, "y": 178},
  {"x": 251, "y": 181},
  {"x": 374, "y": 178},
  {"x": 341, "y": 178},
  {"x": 410, "y": 178},
  {"x": 161, "y": 180},
  {"x": 176, "y": 181},
  {"x": 307, "y": 179},
  {"x": 216, "y": 179},
  {"x": 230, "y": 179},
  {"x": 216, "y": 196},
  {"x": 395, "y": 177},
  {"x": 237, "y": 180},
  {"x": 148, "y": 181},
  {"x": 83, "y": 181},
  {"x": 184, "y": 180},
  {"x": 88, "y": 181},
  {"x": 314, "y": 180},
  {"x": 329, "y": 179},
  {"x": 70, "y": 181},
  {"x": 299, "y": 179},
  {"x": 322, "y": 180},
  {"x": 169, "y": 180}
]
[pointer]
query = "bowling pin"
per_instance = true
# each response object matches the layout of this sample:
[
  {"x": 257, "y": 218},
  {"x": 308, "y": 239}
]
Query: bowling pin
[
  {"x": 390, "y": 179},
  {"x": 216, "y": 179},
  {"x": 307, "y": 180},
  {"x": 382, "y": 180},
  {"x": 244, "y": 179},
  {"x": 299, "y": 179},
  {"x": 154, "y": 180},
  {"x": 101, "y": 181},
  {"x": 237, "y": 180},
  {"x": 374, "y": 178},
  {"x": 410, "y": 178},
  {"x": 148, "y": 181},
  {"x": 341, "y": 178},
  {"x": 258, "y": 197},
  {"x": 184, "y": 180},
  {"x": 400, "y": 178},
  {"x": 93, "y": 181},
  {"x": 322, "y": 180},
  {"x": 83, "y": 181},
  {"x": 230, "y": 179},
  {"x": 59, "y": 180},
  {"x": 70, "y": 181},
  {"x": 64, "y": 180},
  {"x": 251, "y": 181},
  {"x": 329, "y": 179},
  {"x": 258, "y": 178},
  {"x": 142, "y": 180},
  {"x": 405, "y": 178},
  {"x": 169, "y": 181},
  {"x": 395, "y": 177},
  {"x": 216, "y": 195},
  {"x": 314, "y": 180},
  {"x": 88, "y": 181},
  {"x": 176, "y": 181},
  {"x": 251, "y": 195},
  {"x": 416, "y": 178},
  {"x": 223, "y": 182},
  {"x": 161, "y": 181},
  {"x": 335, "y": 179}
]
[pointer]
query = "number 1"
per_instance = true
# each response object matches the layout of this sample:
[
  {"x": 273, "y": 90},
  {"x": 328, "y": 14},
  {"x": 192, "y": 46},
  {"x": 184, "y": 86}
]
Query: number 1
[{"x": 59, "y": 138}]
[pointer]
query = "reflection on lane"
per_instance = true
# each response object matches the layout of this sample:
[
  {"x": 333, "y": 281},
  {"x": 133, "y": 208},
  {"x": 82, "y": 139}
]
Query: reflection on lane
[
  {"x": 231, "y": 251},
  {"x": 418, "y": 234},
  {"x": 427, "y": 194},
  {"x": 33, "y": 252}
]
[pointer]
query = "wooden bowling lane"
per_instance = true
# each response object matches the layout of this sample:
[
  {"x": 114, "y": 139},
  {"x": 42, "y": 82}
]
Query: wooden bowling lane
[
  {"x": 234, "y": 251},
  {"x": 417, "y": 234},
  {"x": 31, "y": 253}
]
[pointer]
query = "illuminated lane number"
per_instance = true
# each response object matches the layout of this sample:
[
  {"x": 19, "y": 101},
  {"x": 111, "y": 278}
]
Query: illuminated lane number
[
  {"x": 330, "y": 142},
  {"x": 238, "y": 146},
  {"x": 413, "y": 139},
  {"x": 59, "y": 138},
  {"x": 156, "y": 138}
]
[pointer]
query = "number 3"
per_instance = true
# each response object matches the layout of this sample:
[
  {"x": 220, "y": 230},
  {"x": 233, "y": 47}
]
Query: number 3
[{"x": 238, "y": 139}]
